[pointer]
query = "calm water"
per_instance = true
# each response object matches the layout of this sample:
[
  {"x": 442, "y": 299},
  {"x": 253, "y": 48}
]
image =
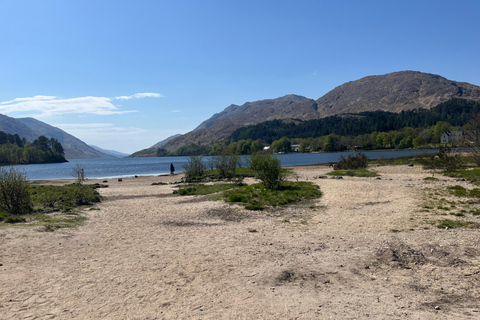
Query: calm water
[{"x": 127, "y": 167}]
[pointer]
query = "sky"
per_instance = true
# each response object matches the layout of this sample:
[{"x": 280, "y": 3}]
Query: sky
[{"x": 124, "y": 75}]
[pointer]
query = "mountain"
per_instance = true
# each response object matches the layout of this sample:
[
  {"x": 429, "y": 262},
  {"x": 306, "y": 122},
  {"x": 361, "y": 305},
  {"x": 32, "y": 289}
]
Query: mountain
[
  {"x": 165, "y": 141},
  {"x": 394, "y": 92},
  {"x": 112, "y": 153},
  {"x": 222, "y": 124},
  {"x": 11, "y": 125},
  {"x": 31, "y": 129}
]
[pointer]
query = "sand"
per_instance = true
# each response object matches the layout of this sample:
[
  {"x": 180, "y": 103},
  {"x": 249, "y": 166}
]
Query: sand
[{"x": 361, "y": 251}]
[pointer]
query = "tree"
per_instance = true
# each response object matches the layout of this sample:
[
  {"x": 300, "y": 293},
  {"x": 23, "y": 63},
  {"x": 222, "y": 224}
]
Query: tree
[
  {"x": 282, "y": 145},
  {"x": 194, "y": 168},
  {"x": 225, "y": 164},
  {"x": 330, "y": 143},
  {"x": 78, "y": 173},
  {"x": 14, "y": 192},
  {"x": 419, "y": 141},
  {"x": 268, "y": 169}
]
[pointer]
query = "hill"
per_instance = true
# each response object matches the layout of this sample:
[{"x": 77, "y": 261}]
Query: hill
[
  {"x": 112, "y": 153},
  {"x": 394, "y": 92},
  {"x": 31, "y": 129}
]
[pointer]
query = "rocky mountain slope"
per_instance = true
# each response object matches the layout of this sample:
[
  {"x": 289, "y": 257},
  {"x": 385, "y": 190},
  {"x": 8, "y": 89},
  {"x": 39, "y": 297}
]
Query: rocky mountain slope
[
  {"x": 394, "y": 92},
  {"x": 31, "y": 129}
]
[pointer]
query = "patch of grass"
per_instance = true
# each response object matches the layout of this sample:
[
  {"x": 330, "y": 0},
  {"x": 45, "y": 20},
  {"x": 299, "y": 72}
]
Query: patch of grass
[
  {"x": 453, "y": 224},
  {"x": 202, "y": 189},
  {"x": 158, "y": 183},
  {"x": 472, "y": 175},
  {"x": 239, "y": 173},
  {"x": 354, "y": 173},
  {"x": 14, "y": 219},
  {"x": 257, "y": 197},
  {"x": 52, "y": 222},
  {"x": 430, "y": 179},
  {"x": 47, "y": 198},
  {"x": 54, "y": 206}
]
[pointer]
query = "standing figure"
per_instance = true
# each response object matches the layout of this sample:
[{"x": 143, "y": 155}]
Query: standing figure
[{"x": 172, "y": 168}]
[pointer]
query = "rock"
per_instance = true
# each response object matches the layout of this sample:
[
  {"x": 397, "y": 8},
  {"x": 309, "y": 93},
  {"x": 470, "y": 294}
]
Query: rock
[
  {"x": 410, "y": 165},
  {"x": 120, "y": 180},
  {"x": 437, "y": 308}
]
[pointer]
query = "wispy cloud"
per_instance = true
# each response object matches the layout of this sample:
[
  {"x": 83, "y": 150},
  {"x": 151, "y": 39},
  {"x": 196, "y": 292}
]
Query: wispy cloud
[
  {"x": 140, "y": 95},
  {"x": 51, "y": 105},
  {"x": 175, "y": 110}
]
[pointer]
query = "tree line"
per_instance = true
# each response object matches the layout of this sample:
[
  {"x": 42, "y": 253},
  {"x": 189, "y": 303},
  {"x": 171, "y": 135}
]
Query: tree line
[
  {"x": 15, "y": 150},
  {"x": 457, "y": 112},
  {"x": 366, "y": 131}
]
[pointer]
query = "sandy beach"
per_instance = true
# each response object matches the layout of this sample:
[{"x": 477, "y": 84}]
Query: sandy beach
[{"x": 364, "y": 250}]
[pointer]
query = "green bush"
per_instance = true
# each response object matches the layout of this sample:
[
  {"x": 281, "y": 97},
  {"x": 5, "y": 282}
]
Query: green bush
[
  {"x": 226, "y": 165},
  {"x": 352, "y": 162},
  {"x": 194, "y": 168},
  {"x": 444, "y": 160},
  {"x": 14, "y": 192},
  {"x": 268, "y": 169}
]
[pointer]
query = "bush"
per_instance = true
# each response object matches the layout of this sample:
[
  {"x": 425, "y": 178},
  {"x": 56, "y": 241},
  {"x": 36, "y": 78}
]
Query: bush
[
  {"x": 195, "y": 168},
  {"x": 352, "y": 162},
  {"x": 268, "y": 169},
  {"x": 444, "y": 160},
  {"x": 14, "y": 192},
  {"x": 226, "y": 165}
]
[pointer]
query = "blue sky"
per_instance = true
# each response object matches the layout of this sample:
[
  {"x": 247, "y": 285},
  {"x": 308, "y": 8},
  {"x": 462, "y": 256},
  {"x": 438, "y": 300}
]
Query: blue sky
[{"x": 124, "y": 75}]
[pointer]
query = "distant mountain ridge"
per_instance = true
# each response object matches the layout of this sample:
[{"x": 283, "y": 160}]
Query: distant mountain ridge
[
  {"x": 394, "y": 92},
  {"x": 165, "y": 141},
  {"x": 31, "y": 129},
  {"x": 112, "y": 153}
]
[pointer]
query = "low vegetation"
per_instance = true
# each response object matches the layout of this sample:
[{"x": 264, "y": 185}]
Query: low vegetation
[
  {"x": 444, "y": 160},
  {"x": 257, "y": 197},
  {"x": 21, "y": 201},
  {"x": 273, "y": 191},
  {"x": 354, "y": 173},
  {"x": 456, "y": 201},
  {"x": 351, "y": 162}
]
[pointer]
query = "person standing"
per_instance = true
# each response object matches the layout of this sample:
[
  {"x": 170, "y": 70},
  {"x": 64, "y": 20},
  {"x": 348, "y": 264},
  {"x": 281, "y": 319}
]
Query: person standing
[{"x": 172, "y": 168}]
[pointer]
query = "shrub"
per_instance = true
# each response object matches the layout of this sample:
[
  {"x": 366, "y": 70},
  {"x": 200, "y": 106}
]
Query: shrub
[
  {"x": 352, "y": 162},
  {"x": 444, "y": 160},
  {"x": 226, "y": 165},
  {"x": 14, "y": 192},
  {"x": 195, "y": 168},
  {"x": 268, "y": 169}
]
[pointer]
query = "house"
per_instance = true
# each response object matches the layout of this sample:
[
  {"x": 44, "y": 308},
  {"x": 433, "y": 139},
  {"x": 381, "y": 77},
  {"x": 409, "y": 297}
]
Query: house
[
  {"x": 295, "y": 147},
  {"x": 452, "y": 136}
]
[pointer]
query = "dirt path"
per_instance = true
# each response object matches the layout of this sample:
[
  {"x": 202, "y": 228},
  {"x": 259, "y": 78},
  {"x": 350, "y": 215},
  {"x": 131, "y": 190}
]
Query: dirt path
[{"x": 147, "y": 254}]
